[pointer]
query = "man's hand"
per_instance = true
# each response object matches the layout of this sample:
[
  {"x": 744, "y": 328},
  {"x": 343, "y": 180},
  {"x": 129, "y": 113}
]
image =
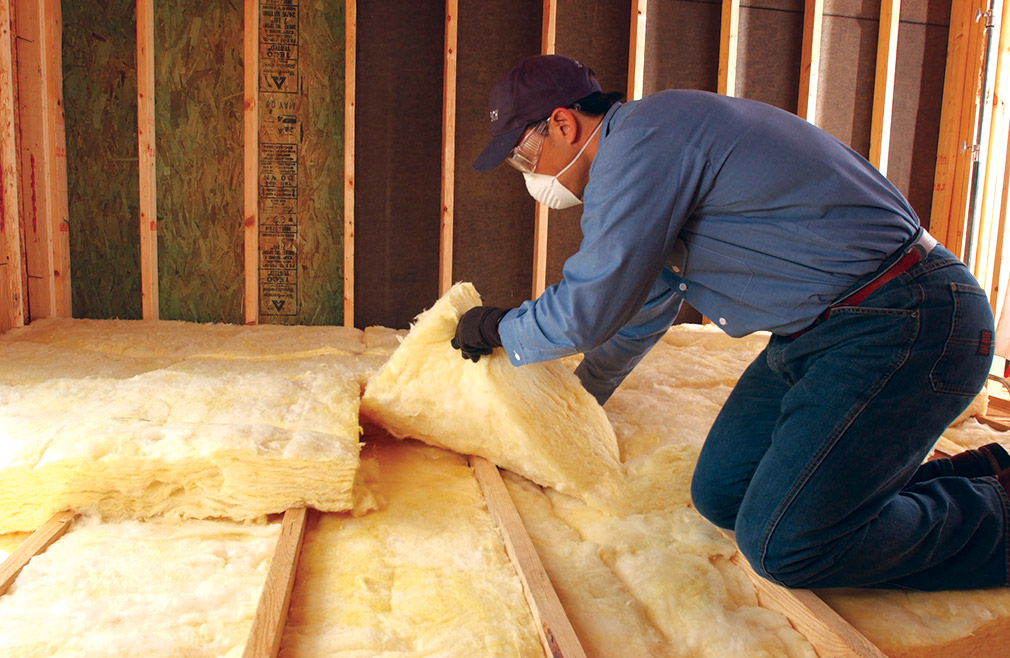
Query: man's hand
[{"x": 477, "y": 332}]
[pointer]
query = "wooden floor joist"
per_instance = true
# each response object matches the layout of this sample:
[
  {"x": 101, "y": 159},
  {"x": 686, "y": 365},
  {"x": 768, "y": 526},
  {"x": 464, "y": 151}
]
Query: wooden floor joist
[
  {"x": 39, "y": 541},
  {"x": 556, "y": 632},
  {"x": 272, "y": 611},
  {"x": 830, "y": 635}
]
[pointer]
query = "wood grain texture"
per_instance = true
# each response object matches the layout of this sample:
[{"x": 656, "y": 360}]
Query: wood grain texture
[
  {"x": 556, "y": 632},
  {"x": 272, "y": 611},
  {"x": 39, "y": 541}
]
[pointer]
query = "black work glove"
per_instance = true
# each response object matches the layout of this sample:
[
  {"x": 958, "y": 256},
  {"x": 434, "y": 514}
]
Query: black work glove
[{"x": 477, "y": 332}]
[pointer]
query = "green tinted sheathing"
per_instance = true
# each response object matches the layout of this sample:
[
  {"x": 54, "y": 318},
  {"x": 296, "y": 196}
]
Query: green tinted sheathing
[
  {"x": 301, "y": 201},
  {"x": 100, "y": 96},
  {"x": 198, "y": 127}
]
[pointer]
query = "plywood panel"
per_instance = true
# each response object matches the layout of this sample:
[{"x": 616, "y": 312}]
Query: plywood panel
[
  {"x": 198, "y": 123},
  {"x": 494, "y": 214},
  {"x": 596, "y": 33},
  {"x": 398, "y": 116},
  {"x": 100, "y": 91},
  {"x": 682, "y": 45},
  {"x": 301, "y": 93},
  {"x": 771, "y": 38}
]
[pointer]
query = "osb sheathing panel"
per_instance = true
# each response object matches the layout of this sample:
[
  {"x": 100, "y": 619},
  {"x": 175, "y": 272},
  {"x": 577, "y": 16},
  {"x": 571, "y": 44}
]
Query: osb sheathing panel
[
  {"x": 198, "y": 127},
  {"x": 318, "y": 107},
  {"x": 100, "y": 95},
  {"x": 493, "y": 223},
  {"x": 198, "y": 123},
  {"x": 595, "y": 32},
  {"x": 682, "y": 45},
  {"x": 398, "y": 160}
]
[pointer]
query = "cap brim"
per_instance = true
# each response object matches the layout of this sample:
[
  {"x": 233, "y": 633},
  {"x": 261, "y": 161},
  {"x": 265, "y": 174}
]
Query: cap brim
[{"x": 497, "y": 149}]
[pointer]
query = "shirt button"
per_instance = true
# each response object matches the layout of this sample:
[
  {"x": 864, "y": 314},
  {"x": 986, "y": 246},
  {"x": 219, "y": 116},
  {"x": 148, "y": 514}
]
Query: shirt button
[
  {"x": 516, "y": 355},
  {"x": 722, "y": 321},
  {"x": 676, "y": 269},
  {"x": 682, "y": 287}
]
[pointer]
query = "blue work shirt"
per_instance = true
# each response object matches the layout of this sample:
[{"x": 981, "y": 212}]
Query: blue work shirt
[{"x": 757, "y": 218}]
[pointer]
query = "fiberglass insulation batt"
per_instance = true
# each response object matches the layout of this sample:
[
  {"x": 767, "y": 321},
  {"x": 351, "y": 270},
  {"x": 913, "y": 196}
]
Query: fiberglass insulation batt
[
  {"x": 536, "y": 420},
  {"x": 159, "y": 589},
  {"x": 134, "y": 419}
]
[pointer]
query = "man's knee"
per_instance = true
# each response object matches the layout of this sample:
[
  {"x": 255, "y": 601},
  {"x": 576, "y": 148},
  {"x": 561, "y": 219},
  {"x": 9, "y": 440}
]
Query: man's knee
[
  {"x": 713, "y": 502},
  {"x": 788, "y": 563}
]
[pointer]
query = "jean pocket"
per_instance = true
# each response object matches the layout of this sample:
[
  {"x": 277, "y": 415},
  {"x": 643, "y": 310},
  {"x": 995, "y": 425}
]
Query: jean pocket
[{"x": 967, "y": 354}]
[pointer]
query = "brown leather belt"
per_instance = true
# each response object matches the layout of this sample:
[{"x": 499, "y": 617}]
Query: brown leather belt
[{"x": 918, "y": 249}]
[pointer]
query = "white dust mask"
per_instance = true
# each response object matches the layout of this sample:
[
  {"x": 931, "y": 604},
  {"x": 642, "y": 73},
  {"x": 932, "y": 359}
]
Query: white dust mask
[{"x": 549, "y": 191}]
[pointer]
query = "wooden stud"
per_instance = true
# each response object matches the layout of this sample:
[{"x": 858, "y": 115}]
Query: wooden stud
[
  {"x": 997, "y": 289},
  {"x": 146, "y": 148},
  {"x": 60, "y": 228},
  {"x": 636, "y": 58},
  {"x": 950, "y": 116},
  {"x": 972, "y": 96},
  {"x": 813, "y": 19},
  {"x": 883, "y": 87},
  {"x": 541, "y": 217},
  {"x": 541, "y": 223},
  {"x": 11, "y": 300},
  {"x": 556, "y": 632},
  {"x": 548, "y": 37},
  {"x": 43, "y": 160},
  {"x": 990, "y": 225},
  {"x": 272, "y": 612},
  {"x": 251, "y": 158},
  {"x": 448, "y": 148},
  {"x": 12, "y": 5},
  {"x": 728, "y": 40},
  {"x": 960, "y": 92},
  {"x": 824, "y": 628},
  {"x": 350, "y": 58},
  {"x": 36, "y": 543}
]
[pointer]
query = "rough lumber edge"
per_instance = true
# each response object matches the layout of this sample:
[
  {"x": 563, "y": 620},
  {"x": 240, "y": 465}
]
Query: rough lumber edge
[
  {"x": 39, "y": 541},
  {"x": 636, "y": 58},
  {"x": 250, "y": 157},
  {"x": 810, "y": 62},
  {"x": 59, "y": 230},
  {"x": 998, "y": 414},
  {"x": 272, "y": 611},
  {"x": 728, "y": 40},
  {"x": 883, "y": 90},
  {"x": 830, "y": 635},
  {"x": 448, "y": 148},
  {"x": 12, "y": 315},
  {"x": 350, "y": 57},
  {"x": 541, "y": 217},
  {"x": 146, "y": 147},
  {"x": 556, "y": 633},
  {"x": 35, "y": 162}
]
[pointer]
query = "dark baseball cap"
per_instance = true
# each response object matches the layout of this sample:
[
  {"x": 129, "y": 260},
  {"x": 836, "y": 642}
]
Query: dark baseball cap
[{"x": 529, "y": 93}]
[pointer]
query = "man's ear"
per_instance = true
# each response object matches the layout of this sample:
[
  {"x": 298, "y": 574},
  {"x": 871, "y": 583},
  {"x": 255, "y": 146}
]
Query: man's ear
[{"x": 565, "y": 124}]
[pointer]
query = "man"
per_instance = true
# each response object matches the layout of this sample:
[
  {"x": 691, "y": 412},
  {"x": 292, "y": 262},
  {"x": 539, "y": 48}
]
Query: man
[{"x": 880, "y": 337}]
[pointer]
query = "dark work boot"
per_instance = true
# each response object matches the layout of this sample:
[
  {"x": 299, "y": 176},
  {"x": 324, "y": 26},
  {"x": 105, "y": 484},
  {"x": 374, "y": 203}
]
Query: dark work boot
[{"x": 990, "y": 459}]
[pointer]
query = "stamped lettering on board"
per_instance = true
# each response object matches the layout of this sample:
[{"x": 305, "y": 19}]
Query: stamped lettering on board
[{"x": 279, "y": 136}]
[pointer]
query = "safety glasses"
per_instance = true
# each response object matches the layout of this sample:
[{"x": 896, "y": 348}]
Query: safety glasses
[{"x": 526, "y": 153}]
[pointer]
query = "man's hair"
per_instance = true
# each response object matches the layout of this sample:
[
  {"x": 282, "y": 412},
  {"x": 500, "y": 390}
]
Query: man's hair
[{"x": 597, "y": 103}]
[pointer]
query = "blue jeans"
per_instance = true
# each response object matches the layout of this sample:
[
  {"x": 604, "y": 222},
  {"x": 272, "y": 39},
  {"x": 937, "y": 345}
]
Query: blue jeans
[{"x": 816, "y": 458}]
